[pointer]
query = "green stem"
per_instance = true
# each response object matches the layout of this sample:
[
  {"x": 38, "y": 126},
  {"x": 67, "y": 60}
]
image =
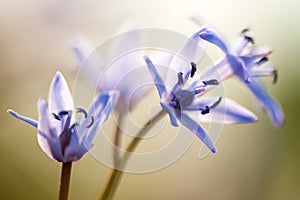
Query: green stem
[
  {"x": 65, "y": 181},
  {"x": 116, "y": 174}
]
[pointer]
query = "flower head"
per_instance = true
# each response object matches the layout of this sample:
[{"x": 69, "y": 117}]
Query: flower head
[
  {"x": 118, "y": 68},
  {"x": 246, "y": 62},
  {"x": 61, "y": 136},
  {"x": 179, "y": 101}
]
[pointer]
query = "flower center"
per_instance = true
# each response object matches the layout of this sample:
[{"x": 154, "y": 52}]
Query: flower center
[
  {"x": 65, "y": 117},
  {"x": 79, "y": 110},
  {"x": 183, "y": 98}
]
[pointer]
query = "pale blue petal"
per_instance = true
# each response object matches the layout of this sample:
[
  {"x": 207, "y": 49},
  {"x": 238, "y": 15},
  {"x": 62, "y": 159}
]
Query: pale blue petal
[
  {"x": 159, "y": 83},
  {"x": 192, "y": 51},
  {"x": 198, "y": 130},
  {"x": 226, "y": 112},
  {"x": 47, "y": 133},
  {"x": 264, "y": 71},
  {"x": 273, "y": 109},
  {"x": 100, "y": 110},
  {"x": 252, "y": 60},
  {"x": 74, "y": 151},
  {"x": 28, "y": 120},
  {"x": 103, "y": 105},
  {"x": 212, "y": 37},
  {"x": 171, "y": 113},
  {"x": 81, "y": 49},
  {"x": 220, "y": 72},
  {"x": 60, "y": 98},
  {"x": 90, "y": 64},
  {"x": 239, "y": 68}
]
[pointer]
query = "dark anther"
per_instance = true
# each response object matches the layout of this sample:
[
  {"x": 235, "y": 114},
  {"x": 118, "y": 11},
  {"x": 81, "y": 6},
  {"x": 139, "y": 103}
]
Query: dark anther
[
  {"x": 73, "y": 126},
  {"x": 211, "y": 82},
  {"x": 91, "y": 123},
  {"x": 180, "y": 78},
  {"x": 262, "y": 61},
  {"x": 56, "y": 116},
  {"x": 245, "y": 30},
  {"x": 250, "y": 39},
  {"x": 81, "y": 110},
  {"x": 62, "y": 113},
  {"x": 275, "y": 76},
  {"x": 205, "y": 110},
  {"x": 216, "y": 103},
  {"x": 194, "y": 69}
]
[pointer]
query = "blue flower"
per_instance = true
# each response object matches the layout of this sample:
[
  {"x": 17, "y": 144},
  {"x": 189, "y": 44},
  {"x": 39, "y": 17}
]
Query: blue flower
[
  {"x": 245, "y": 61},
  {"x": 125, "y": 62},
  {"x": 179, "y": 102},
  {"x": 60, "y": 135}
]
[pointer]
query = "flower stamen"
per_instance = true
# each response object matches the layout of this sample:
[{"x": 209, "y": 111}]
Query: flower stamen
[
  {"x": 56, "y": 116},
  {"x": 275, "y": 76},
  {"x": 91, "y": 123},
  {"x": 206, "y": 110},
  {"x": 247, "y": 37},
  {"x": 60, "y": 115},
  {"x": 262, "y": 61},
  {"x": 180, "y": 78},
  {"x": 81, "y": 110},
  {"x": 210, "y": 82},
  {"x": 194, "y": 69}
]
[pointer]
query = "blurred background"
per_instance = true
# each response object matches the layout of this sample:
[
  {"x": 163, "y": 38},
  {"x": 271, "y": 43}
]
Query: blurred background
[{"x": 254, "y": 161}]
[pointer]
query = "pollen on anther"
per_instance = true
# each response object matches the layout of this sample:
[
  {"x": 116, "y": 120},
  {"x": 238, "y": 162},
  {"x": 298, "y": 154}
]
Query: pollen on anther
[
  {"x": 262, "y": 61},
  {"x": 205, "y": 110},
  {"x": 62, "y": 113},
  {"x": 211, "y": 82},
  {"x": 245, "y": 30},
  {"x": 56, "y": 116},
  {"x": 275, "y": 76},
  {"x": 194, "y": 69}
]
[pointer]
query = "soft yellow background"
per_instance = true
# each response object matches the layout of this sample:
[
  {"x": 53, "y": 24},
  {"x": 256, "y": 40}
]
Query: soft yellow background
[{"x": 254, "y": 161}]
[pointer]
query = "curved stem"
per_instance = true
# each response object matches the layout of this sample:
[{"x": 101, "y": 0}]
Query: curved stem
[
  {"x": 65, "y": 181},
  {"x": 118, "y": 140},
  {"x": 116, "y": 174}
]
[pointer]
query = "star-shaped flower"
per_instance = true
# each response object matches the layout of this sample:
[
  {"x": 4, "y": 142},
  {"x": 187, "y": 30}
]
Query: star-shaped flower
[
  {"x": 178, "y": 102},
  {"x": 60, "y": 135},
  {"x": 245, "y": 61}
]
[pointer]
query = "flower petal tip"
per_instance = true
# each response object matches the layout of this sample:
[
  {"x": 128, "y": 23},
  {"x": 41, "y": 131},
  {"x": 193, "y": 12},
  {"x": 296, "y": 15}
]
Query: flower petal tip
[
  {"x": 58, "y": 75},
  {"x": 279, "y": 124},
  {"x": 147, "y": 59},
  {"x": 23, "y": 118},
  {"x": 214, "y": 150}
]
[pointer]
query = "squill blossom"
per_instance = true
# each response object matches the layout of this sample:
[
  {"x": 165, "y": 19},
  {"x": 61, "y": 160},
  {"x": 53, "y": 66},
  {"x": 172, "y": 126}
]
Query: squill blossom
[
  {"x": 178, "y": 102},
  {"x": 246, "y": 62},
  {"x": 119, "y": 67},
  {"x": 60, "y": 135}
]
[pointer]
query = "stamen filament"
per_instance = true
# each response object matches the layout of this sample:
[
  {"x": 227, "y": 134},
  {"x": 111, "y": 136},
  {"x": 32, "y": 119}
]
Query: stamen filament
[
  {"x": 180, "y": 78},
  {"x": 91, "y": 123},
  {"x": 81, "y": 110}
]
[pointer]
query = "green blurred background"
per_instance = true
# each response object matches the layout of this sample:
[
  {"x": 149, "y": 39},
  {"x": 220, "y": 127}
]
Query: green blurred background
[{"x": 254, "y": 161}]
